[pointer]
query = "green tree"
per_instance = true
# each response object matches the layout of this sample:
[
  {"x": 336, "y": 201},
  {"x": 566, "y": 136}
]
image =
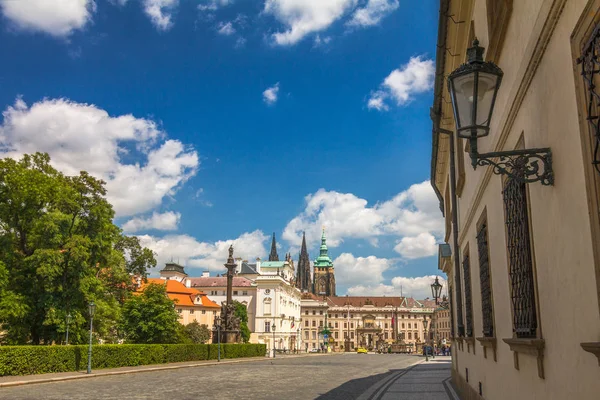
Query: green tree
[
  {"x": 198, "y": 334},
  {"x": 150, "y": 317},
  {"x": 242, "y": 313},
  {"x": 60, "y": 250}
]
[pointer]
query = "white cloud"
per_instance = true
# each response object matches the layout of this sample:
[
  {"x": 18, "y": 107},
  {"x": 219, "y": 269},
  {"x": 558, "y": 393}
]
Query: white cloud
[
  {"x": 377, "y": 101},
  {"x": 199, "y": 196},
  {"x": 203, "y": 255},
  {"x": 167, "y": 221},
  {"x": 410, "y": 213},
  {"x": 423, "y": 245},
  {"x": 58, "y": 18},
  {"x": 84, "y": 137},
  {"x": 373, "y": 12},
  {"x": 401, "y": 84},
  {"x": 213, "y": 5},
  {"x": 303, "y": 17},
  {"x": 322, "y": 41},
  {"x": 160, "y": 12},
  {"x": 351, "y": 270},
  {"x": 270, "y": 95},
  {"x": 418, "y": 287},
  {"x": 225, "y": 29},
  {"x": 240, "y": 42}
]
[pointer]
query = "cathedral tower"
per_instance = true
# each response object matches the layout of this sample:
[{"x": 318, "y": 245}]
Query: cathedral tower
[
  {"x": 303, "y": 271},
  {"x": 273, "y": 256},
  {"x": 324, "y": 274}
]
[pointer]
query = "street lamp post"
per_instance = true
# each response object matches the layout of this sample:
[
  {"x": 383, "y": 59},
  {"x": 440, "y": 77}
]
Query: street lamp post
[
  {"x": 425, "y": 341},
  {"x": 473, "y": 89},
  {"x": 273, "y": 329},
  {"x": 92, "y": 310},
  {"x": 68, "y": 323},
  {"x": 436, "y": 291},
  {"x": 218, "y": 329},
  {"x": 298, "y": 334}
]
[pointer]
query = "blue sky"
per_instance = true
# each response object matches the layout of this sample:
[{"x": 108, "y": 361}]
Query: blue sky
[{"x": 222, "y": 121}]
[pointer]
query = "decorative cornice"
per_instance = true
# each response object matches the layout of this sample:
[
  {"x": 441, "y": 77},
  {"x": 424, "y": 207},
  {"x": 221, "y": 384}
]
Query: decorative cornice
[
  {"x": 488, "y": 343},
  {"x": 534, "y": 347},
  {"x": 592, "y": 347}
]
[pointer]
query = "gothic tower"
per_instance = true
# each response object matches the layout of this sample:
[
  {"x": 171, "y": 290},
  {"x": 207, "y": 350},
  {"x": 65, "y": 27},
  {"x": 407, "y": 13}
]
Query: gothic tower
[
  {"x": 324, "y": 274},
  {"x": 273, "y": 256},
  {"x": 303, "y": 271}
]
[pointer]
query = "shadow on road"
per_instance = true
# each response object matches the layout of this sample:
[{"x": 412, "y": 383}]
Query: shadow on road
[{"x": 351, "y": 390}]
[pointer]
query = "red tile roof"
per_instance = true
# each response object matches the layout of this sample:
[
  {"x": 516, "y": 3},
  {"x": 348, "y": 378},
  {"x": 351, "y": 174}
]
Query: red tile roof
[
  {"x": 220, "y": 281},
  {"x": 181, "y": 294},
  {"x": 359, "y": 301}
]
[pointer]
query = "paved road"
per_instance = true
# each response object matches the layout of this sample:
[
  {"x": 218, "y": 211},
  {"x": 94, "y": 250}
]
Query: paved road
[{"x": 332, "y": 377}]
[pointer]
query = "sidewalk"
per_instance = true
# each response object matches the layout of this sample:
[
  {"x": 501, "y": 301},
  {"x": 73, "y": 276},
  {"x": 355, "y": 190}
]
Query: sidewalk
[
  {"x": 423, "y": 381},
  {"x": 6, "y": 381}
]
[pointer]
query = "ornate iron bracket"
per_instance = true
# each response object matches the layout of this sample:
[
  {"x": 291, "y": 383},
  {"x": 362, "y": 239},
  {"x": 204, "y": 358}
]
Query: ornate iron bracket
[{"x": 527, "y": 166}]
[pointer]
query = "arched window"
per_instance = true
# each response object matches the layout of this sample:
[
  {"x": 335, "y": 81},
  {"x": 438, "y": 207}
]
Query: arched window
[{"x": 267, "y": 306}]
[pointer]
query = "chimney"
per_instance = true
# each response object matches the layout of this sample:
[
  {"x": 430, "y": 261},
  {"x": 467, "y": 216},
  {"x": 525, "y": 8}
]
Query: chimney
[
  {"x": 205, "y": 274},
  {"x": 258, "y": 264},
  {"x": 188, "y": 283}
]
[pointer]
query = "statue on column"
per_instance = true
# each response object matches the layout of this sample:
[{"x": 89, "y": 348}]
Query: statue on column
[{"x": 230, "y": 323}]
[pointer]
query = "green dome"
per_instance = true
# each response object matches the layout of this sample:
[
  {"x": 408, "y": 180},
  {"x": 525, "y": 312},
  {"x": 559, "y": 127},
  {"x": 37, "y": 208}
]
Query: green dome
[{"x": 323, "y": 261}]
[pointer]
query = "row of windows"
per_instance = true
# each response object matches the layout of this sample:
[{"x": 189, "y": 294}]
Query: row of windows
[
  {"x": 180, "y": 310},
  {"x": 409, "y": 335},
  {"x": 224, "y": 293},
  {"x": 520, "y": 262},
  {"x": 403, "y": 316}
]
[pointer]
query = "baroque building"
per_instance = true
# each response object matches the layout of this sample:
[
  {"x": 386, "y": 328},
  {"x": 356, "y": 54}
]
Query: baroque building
[
  {"x": 192, "y": 305},
  {"x": 324, "y": 273},
  {"x": 522, "y": 202},
  {"x": 364, "y": 321}
]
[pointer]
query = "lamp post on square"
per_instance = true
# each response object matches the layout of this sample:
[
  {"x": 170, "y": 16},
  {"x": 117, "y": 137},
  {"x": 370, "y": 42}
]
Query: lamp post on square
[
  {"x": 436, "y": 291},
  {"x": 273, "y": 329},
  {"x": 425, "y": 334},
  {"x": 68, "y": 323},
  {"x": 92, "y": 311},
  {"x": 217, "y": 328}
]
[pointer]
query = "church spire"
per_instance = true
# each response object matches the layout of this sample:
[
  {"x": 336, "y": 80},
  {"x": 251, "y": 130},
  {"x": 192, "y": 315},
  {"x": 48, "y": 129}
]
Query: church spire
[
  {"x": 323, "y": 260},
  {"x": 273, "y": 256},
  {"x": 303, "y": 275}
]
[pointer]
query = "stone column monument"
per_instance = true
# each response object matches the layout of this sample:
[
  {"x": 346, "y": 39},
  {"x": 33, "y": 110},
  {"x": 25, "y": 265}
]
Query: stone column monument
[{"x": 230, "y": 324}]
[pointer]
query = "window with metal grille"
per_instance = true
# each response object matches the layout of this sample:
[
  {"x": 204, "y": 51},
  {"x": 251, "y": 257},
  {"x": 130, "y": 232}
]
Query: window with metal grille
[
  {"x": 487, "y": 310},
  {"x": 520, "y": 260},
  {"x": 468, "y": 296},
  {"x": 590, "y": 71}
]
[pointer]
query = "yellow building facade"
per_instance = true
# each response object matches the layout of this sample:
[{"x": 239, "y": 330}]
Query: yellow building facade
[
  {"x": 370, "y": 322},
  {"x": 524, "y": 270}
]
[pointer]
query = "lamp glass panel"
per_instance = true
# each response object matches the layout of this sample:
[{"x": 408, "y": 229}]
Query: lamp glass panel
[
  {"x": 485, "y": 97},
  {"x": 463, "y": 94}
]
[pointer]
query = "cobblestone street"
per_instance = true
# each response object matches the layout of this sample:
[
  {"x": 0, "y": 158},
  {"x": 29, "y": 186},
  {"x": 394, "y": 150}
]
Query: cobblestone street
[{"x": 348, "y": 376}]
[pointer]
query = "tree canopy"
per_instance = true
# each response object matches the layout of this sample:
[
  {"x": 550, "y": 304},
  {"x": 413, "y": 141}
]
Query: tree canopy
[
  {"x": 60, "y": 250},
  {"x": 196, "y": 333},
  {"x": 151, "y": 318},
  {"x": 242, "y": 313}
]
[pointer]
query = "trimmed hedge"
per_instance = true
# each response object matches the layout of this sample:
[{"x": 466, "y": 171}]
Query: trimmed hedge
[{"x": 28, "y": 360}]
